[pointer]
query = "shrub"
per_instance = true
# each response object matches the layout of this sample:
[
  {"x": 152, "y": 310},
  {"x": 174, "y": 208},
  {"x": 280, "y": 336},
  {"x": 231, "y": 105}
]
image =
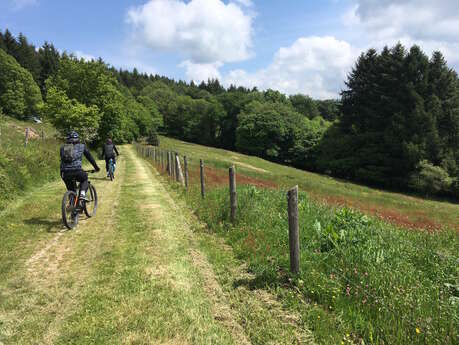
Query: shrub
[
  {"x": 66, "y": 115},
  {"x": 152, "y": 138},
  {"x": 430, "y": 179},
  {"x": 19, "y": 94}
]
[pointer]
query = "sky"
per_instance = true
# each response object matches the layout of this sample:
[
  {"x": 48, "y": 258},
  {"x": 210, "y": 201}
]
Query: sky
[{"x": 295, "y": 46}]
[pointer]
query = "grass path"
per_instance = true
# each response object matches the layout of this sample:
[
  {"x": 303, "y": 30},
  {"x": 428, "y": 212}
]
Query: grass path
[{"x": 137, "y": 273}]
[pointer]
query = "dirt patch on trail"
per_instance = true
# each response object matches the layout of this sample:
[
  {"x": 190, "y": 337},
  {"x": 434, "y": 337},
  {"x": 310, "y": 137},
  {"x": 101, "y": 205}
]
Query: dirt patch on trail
[
  {"x": 419, "y": 221},
  {"x": 215, "y": 177}
]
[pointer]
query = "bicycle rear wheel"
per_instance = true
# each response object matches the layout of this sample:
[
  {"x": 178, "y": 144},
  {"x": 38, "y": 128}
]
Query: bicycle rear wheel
[
  {"x": 69, "y": 209},
  {"x": 90, "y": 205}
]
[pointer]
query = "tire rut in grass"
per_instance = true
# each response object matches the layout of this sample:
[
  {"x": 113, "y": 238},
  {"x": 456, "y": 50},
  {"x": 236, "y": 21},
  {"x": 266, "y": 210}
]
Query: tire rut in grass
[
  {"x": 54, "y": 276},
  {"x": 175, "y": 234}
]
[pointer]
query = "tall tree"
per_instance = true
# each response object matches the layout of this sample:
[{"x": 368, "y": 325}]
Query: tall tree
[{"x": 49, "y": 61}]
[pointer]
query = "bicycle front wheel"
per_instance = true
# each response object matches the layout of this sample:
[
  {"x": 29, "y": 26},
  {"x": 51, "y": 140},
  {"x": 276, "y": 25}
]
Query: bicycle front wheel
[
  {"x": 90, "y": 205},
  {"x": 70, "y": 209}
]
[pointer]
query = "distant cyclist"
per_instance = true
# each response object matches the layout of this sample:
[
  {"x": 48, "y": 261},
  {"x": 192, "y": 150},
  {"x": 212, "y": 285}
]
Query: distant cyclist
[
  {"x": 71, "y": 163},
  {"x": 108, "y": 152}
]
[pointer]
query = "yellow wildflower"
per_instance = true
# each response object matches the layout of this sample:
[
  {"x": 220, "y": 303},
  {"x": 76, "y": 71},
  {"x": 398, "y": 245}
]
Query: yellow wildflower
[{"x": 418, "y": 331}]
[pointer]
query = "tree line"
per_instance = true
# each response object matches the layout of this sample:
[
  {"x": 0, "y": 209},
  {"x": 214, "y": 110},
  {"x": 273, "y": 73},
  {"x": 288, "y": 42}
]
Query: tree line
[{"x": 396, "y": 124}]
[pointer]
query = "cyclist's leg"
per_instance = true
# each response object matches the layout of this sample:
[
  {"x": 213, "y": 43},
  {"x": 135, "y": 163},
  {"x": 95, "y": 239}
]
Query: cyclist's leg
[
  {"x": 69, "y": 180},
  {"x": 82, "y": 177},
  {"x": 107, "y": 163}
]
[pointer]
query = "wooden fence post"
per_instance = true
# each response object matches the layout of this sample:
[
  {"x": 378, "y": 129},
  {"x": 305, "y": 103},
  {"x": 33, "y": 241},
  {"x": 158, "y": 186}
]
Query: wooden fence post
[
  {"x": 179, "y": 170},
  {"x": 293, "y": 230},
  {"x": 168, "y": 165},
  {"x": 233, "y": 195},
  {"x": 177, "y": 164},
  {"x": 26, "y": 136},
  {"x": 201, "y": 168},
  {"x": 185, "y": 167},
  {"x": 172, "y": 165}
]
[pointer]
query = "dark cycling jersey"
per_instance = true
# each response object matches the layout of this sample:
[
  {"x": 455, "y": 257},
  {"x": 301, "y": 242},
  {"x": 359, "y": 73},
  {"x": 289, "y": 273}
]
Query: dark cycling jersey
[
  {"x": 109, "y": 151},
  {"x": 76, "y": 162}
]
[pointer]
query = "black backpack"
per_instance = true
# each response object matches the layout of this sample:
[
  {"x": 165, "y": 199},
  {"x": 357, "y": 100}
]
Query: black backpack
[
  {"x": 108, "y": 150},
  {"x": 69, "y": 153}
]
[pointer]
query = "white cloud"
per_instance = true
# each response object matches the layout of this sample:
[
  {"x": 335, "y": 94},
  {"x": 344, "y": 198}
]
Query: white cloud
[
  {"x": 420, "y": 19},
  {"x": 87, "y": 57},
  {"x": 313, "y": 65},
  {"x": 246, "y": 3},
  {"x": 203, "y": 31},
  {"x": 201, "y": 72},
  {"x": 20, "y": 4},
  {"x": 433, "y": 25}
]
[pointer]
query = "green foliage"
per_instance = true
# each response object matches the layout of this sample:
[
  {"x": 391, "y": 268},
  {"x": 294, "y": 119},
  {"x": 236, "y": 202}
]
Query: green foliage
[
  {"x": 398, "y": 110},
  {"x": 111, "y": 108},
  {"x": 264, "y": 128},
  {"x": 277, "y": 132},
  {"x": 305, "y": 105},
  {"x": 19, "y": 95},
  {"x": 24, "y": 52},
  {"x": 430, "y": 179},
  {"x": 329, "y": 109},
  {"x": 68, "y": 114},
  {"x": 196, "y": 120},
  {"x": 152, "y": 109},
  {"x": 152, "y": 137}
]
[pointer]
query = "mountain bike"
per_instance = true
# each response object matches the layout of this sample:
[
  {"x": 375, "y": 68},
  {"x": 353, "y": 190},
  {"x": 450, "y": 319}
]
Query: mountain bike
[
  {"x": 111, "y": 169},
  {"x": 73, "y": 205}
]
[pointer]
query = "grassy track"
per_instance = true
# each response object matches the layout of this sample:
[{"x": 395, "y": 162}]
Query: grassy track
[
  {"x": 404, "y": 210},
  {"x": 137, "y": 273}
]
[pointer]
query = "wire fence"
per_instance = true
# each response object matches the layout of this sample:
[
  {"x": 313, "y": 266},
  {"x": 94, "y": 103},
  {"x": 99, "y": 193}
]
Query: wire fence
[{"x": 192, "y": 172}]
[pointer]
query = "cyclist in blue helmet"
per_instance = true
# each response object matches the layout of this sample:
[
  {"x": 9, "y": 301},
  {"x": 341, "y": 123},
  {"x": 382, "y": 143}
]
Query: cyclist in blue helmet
[{"x": 71, "y": 163}]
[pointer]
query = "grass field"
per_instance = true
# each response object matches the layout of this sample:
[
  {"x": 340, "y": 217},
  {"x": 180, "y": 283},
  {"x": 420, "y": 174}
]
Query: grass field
[
  {"x": 363, "y": 279},
  {"x": 138, "y": 272},
  {"x": 404, "y": 210}
]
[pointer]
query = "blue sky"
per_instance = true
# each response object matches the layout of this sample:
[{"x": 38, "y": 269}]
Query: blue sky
[{"x": 293, "y": 46}]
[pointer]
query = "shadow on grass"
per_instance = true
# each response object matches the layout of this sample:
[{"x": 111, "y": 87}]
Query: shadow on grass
[
  {"x": 100, "y": 178},
  {"x": 51, "y": 225}
]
